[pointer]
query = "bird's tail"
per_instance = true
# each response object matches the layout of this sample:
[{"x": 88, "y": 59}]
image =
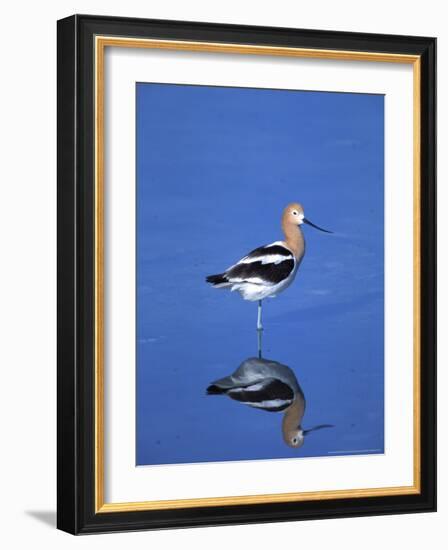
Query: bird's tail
[
  {"x": 223, "y": 385},
  {"x": 213, "y": 389},
  {"x": 218, "y": 280}
]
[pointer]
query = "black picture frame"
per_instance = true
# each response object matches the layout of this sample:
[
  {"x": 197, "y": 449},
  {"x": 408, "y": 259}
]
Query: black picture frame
[{"x": 76, "y": 301}]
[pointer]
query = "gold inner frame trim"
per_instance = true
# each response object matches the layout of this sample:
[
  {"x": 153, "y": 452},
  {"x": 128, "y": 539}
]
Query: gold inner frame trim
[{"x": 101, "y": 42}]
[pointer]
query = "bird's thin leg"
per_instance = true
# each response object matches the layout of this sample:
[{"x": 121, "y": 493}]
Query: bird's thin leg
[
  {"x": 259, "y": 338},
  {"x": 259, "y": 325}
]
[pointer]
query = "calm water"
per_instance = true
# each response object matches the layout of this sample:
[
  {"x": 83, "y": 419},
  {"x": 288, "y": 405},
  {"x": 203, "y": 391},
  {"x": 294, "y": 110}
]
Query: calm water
[{"x": 215, "y": 168}]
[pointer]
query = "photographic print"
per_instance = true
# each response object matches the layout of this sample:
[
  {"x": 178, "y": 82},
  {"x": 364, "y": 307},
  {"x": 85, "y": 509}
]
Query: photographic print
[{"x": 260, "y": 274}]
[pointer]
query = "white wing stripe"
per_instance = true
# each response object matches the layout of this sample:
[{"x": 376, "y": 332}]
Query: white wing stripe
[
  {"x": 268, "y": 259},
  {"x": 257, "y": 386},
  {"x": 268, "y": 404},
  {"x": 253, "y": 280}
]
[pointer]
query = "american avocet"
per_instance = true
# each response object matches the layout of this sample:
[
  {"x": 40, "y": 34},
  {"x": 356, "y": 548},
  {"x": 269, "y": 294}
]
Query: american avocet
[
  {"x": 269, "y": 269},
  {"x": 269, "y": 386}
]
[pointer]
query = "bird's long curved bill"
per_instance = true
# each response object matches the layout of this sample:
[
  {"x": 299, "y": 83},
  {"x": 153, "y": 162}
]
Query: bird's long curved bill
[
  {"x": 316, "y": 226},
  {"x": 306, "y": 432}
]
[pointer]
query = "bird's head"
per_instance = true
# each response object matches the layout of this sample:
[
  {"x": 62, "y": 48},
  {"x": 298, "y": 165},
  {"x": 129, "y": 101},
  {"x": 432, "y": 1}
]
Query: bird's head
[
  {"x": 296, "y": 438},
  {"x": 295, "y": 215}
]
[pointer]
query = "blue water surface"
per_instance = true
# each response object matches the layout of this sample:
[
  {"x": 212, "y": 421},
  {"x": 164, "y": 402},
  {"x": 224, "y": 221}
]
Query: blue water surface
[{"x": 215, "y": 168}]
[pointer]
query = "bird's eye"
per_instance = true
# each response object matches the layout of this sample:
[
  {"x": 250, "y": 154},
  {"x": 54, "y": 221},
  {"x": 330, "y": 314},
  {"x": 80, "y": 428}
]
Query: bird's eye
[
  {"x": 294, "y": 441},
  {"x": 294, "y": 212}
]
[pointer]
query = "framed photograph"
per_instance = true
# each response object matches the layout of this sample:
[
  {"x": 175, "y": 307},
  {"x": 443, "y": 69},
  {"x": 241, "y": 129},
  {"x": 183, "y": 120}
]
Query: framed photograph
[{"x": 246, "y": 274}]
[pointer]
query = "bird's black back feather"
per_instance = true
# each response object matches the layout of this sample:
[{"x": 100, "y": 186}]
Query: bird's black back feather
[
  {"x": 267, "y": 249},
  {"x": 270, "y": 273},
  {"x": 266, "y": 390}
]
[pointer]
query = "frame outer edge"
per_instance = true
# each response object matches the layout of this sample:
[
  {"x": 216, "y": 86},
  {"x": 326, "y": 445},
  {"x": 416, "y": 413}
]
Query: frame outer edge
[
  {"x": 67, "y": 455},
  {"x": 433, "y": 114},
  {"x": 429, "y": 271},
  {"x": 76, "y": 512}
]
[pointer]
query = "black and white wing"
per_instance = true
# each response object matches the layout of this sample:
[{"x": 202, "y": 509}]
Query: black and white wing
[
  {"x": 269, "y": 394},
  {"x": 266, "y": 265}
]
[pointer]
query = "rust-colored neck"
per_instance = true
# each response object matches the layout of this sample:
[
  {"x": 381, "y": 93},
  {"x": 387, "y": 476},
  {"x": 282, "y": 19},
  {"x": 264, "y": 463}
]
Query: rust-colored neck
[
  {"x": 292, "y": 418},
  {"x": 294, "y": 238}
]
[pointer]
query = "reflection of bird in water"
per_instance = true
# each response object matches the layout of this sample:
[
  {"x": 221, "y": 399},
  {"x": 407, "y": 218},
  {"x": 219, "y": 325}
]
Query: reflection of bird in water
[
  {"x": 269, "y": 269},
  {"x": 270, "y": 386}
]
